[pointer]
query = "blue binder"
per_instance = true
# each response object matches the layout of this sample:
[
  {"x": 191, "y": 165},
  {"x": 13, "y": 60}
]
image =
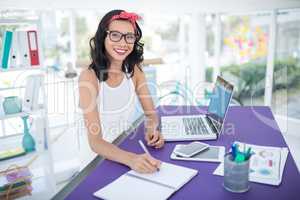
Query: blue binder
[{"x": 6, "y": 48}]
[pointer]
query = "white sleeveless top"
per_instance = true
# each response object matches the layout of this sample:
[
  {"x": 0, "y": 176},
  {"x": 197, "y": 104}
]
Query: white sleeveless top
[{"x": 117, "y": 106}]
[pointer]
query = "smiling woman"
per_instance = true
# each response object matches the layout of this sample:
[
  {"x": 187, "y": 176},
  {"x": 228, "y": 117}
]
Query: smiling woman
[
  {"x": 117, "y": 47},
  {"x": 111, "y": 86},
  {"x": 109, "y": 38}
]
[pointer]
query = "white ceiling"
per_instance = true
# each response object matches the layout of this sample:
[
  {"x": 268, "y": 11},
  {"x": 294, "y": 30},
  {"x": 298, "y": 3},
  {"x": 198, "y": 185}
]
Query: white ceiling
[{"x": 184, "y": 6}]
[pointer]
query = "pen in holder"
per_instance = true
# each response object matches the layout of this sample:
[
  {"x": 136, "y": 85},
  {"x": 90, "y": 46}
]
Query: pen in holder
[{"x": 236, "y": 174}]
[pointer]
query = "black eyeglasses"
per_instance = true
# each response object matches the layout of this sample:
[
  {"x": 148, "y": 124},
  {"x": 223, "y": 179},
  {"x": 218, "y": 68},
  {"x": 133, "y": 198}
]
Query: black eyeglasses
[{"x": 116, "y": 36}]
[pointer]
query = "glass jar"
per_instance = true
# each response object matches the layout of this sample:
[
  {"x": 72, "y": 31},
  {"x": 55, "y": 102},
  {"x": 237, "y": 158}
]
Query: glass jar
[{"x": 12, "y": 105}]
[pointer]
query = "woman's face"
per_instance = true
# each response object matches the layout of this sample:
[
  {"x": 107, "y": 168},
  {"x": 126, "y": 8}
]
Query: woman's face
[{"x": 118, "y": 50}]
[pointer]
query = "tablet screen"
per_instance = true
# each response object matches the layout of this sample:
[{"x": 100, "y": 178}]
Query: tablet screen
[
  {"x": 209, "y": 153},
  {"x": 212, "y": 154}
]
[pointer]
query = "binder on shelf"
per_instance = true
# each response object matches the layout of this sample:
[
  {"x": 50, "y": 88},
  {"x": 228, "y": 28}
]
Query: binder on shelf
[
  {"x": 31, "y": 97},
  {"x": 7, "y": 40},
  {"x": 23, "y": 48},
  {"x": 38, "y": 133},
  {"x": 14, "y": 53},
  {"x": 33, "y": 47}
]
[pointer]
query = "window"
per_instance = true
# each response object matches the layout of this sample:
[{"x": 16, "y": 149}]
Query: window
[
  {"x": 244, "y": 55},
  {"x": 286, "y": 84}
]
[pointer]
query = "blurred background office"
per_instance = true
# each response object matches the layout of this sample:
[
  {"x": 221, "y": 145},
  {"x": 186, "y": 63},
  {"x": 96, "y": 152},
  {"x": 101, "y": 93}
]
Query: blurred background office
[{"x": 254, "y": 44}]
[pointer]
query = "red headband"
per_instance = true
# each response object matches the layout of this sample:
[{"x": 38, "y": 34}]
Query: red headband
[{"x": 131, "y": 17}]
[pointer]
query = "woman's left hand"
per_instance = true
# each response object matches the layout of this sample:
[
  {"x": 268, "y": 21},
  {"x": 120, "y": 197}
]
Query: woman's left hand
[{"x": 155, "y": 139}]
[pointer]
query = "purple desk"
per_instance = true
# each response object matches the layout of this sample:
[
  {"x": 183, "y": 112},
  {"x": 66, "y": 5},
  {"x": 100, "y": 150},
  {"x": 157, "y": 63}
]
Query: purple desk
[{"x": 254, "y": 125}]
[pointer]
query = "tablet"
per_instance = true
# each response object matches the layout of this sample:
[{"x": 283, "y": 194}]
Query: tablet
[
  {"x": 211, "y": 154},
  {"x": 191, "y": 149}
]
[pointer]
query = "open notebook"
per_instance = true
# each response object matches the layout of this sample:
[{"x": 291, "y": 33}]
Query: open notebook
[{"x": 159, "y": 185}]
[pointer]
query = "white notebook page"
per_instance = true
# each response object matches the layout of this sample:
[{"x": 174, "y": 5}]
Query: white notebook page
[
  {"x": 172, "y": 175},
  {"x": 127, "y": 187}
]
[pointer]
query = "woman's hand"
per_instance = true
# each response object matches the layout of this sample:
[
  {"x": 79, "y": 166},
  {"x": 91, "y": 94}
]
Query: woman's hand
[
  {"x": 144, "y": 163},
  {"x": 155, "y": 139}
]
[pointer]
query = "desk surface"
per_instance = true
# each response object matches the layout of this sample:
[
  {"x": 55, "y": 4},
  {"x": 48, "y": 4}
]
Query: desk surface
[{"x": 254, "y": 125}]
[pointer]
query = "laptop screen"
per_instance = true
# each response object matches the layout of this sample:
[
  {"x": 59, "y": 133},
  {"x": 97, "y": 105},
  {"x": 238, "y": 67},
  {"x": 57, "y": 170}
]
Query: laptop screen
[{"x": 219, "y": 100}]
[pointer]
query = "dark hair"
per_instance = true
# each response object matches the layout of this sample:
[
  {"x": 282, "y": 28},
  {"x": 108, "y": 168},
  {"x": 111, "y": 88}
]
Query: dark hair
[{"x": 100, "y": 63}]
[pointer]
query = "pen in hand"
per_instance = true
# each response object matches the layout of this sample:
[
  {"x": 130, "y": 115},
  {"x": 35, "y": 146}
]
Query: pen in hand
[{"x": 146, "y": 150}]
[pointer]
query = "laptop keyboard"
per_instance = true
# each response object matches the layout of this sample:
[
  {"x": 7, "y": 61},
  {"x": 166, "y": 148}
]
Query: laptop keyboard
[{"x": 195, "y": 126}]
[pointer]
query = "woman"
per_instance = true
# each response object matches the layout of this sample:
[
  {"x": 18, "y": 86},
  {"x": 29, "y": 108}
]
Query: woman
[{"x": 111, "y": 84}]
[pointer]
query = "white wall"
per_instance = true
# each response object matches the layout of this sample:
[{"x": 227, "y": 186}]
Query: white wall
[{"x": 156, "y": 5}]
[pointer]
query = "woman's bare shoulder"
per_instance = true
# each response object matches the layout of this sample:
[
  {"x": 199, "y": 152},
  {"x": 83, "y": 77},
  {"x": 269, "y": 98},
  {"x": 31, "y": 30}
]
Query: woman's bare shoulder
[
  {"x": 88, "y": 76},
  {"x": 87, "y": 73},
  {"x": 138, "y": 74}
]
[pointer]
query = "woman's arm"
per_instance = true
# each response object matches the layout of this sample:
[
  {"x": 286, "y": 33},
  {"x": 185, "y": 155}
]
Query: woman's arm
[
  {"x": 153, "y": 136},
  {"x": 88, "y": 91}
]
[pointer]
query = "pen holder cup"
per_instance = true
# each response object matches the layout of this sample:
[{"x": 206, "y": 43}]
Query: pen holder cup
[{"x": 236, "y": 175}]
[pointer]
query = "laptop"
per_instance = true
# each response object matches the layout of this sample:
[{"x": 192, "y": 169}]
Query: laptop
[{"x": 202, "y": 126}]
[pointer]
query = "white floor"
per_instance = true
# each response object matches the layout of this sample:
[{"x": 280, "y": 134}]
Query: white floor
[
  {"x": 290, "y": 131},
  {"x": 71, "y": 153}
]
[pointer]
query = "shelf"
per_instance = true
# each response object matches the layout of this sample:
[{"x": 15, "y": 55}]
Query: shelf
[
  {"x": 18, "y": 21},
  {"x": 43, "y": 166},
  {"x": 21, "y": 114},
  {"x": 21, "y": 68},
  {"x": 14, "y": 142},
  {"x": 20, "y": 161}
]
